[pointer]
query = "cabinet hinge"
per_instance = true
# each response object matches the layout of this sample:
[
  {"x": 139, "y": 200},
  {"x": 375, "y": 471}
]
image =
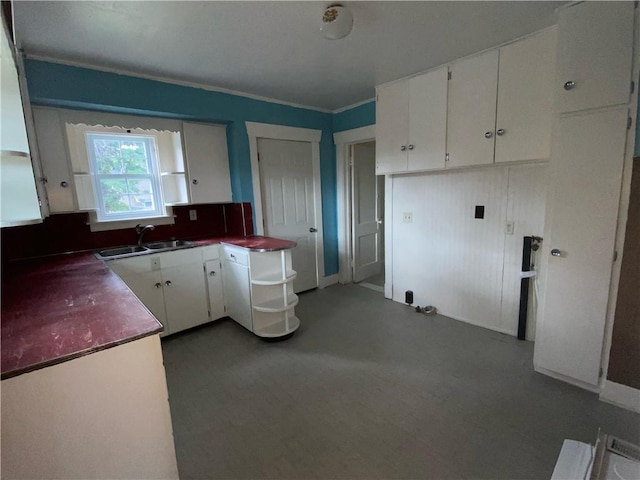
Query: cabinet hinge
[
  {"x": 629, "y": 122},
  {"x": 209, "y": 314},
  {"x": 449, "y": 75},
  {"x": 615, "y": 255},
  {"x": 204, "y": 267},
  {"x": 44, "y": 180},
  {"x": 633, "y": 87},
  {"x": 446, "y": 157},
  {"x": 600, "y": 372},
  {"x": 258, "y": 156}
]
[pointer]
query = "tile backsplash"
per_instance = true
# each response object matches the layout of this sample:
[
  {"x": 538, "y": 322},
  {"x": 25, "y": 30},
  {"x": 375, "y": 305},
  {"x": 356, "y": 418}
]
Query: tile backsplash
[{"x": 70, "y": 232}]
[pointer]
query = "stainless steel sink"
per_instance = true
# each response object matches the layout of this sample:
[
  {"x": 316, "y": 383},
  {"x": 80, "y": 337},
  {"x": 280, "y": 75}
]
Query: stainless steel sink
[
  {"x": 115, "y": 252},
  {"x": 169, "y": 244}
]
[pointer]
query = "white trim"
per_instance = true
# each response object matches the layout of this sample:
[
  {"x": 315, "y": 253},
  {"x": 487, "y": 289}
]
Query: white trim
[
  {"x": 621, "y": 396},
  {"x": 388, "y": 236},
  {"x": 343, "y": 141},
  {"x": 328, "y": 281},
  {"x": 173, "y": 81},
  {"x": 280, "y": 132},
  {"x": 569, "y": 380},
  {"x": 354, "y": 105},
  {"x": 96, "y": 226}
]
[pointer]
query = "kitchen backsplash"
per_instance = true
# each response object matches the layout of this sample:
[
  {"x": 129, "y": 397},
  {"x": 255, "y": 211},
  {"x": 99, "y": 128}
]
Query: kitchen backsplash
[{"x": 70, "y": 232}]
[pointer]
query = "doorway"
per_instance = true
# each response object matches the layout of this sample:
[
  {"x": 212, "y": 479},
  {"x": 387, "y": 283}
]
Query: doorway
[{"x": 367, "y": 216}]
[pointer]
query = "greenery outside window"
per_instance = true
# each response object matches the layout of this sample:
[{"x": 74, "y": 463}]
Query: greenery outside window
[{"x": 126, "y": 175}]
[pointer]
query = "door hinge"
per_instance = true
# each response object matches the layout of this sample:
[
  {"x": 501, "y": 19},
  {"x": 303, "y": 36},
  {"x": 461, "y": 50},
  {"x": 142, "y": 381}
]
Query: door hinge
[
  {"x": 258, "y": 156},
  {"x": 204, "y": 267},
  {"x": 633, "y": 86},
  {"x": 449, "y": 75},
  {"x": 615, "y": 255},
  {"x": 225, "y": 309},
  {"x": 209, "y": 314},
  {"x": 600, "y": 372},
  {"x": 629, "y": 122}
]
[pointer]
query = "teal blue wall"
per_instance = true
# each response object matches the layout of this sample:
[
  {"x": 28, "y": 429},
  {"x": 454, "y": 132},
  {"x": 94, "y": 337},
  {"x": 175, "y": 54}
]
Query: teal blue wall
[
  {"x": 356, "y": 117},
  {"x": 65, "y": 86}
]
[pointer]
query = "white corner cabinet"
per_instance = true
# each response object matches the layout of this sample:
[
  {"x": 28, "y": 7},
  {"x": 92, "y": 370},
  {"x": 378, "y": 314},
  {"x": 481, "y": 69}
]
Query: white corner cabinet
[
  {"x": 182, "y": 288},
  {"x": 194, "y": 163},
  {"x": 258, "y": 288},
  {"x": 489, "y": 108}
]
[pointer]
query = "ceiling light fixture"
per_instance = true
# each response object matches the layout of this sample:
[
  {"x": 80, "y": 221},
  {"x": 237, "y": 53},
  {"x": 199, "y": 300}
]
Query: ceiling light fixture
[{"x": 337, "y": 22}]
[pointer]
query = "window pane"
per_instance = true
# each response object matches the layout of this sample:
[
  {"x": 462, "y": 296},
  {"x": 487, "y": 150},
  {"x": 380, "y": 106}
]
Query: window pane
[
  {"x": 107, "y": 155},
  {"x": 114, "y": 195},
  {"x": 142, "y": 202},
  {"x": 135, "y": 158},
  {"x": 139, "y": 185}
]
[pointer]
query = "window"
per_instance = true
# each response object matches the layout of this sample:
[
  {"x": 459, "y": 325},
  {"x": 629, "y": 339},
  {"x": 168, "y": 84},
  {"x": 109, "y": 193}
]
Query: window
[{"x": 126, "y": 175}]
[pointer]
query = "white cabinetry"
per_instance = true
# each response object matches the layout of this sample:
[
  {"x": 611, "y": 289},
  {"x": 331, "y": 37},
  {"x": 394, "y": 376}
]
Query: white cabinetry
[
  {"x": 471, "y": 116},
  {"x": 501, "y": 103},
  {"x": 215, "y": 289},
  {"x": 19, "y": 202},
  {"x": 594, "y": 55},
  {"x": 208, "y": 162},
  {"x": 171, "y": 285},
  {"x": 411, "y": 124},
  {"x": 259, "y": 291}
]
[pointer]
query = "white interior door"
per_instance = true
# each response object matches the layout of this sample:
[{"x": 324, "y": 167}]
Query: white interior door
[
  {"x": 366, "y": 213},
  {"x": 286, "y": 180},
  {"x": 586, "y": 173}
]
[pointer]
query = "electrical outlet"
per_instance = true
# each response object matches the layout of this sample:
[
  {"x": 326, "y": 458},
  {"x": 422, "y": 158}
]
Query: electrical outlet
[
  {"x": 508, "y": 227},
  {"x": 407, "y": 217},
  {"x": 193, "y": 214}
]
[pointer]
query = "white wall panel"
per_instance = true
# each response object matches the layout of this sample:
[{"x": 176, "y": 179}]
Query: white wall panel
[{"x": 451, "y": 259}]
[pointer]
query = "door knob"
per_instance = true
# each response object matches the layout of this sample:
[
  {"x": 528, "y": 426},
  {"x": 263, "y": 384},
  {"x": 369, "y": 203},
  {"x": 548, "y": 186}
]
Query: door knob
[
  {"x": 313, "y": 230},
  {"x": 488, "y": 134},
  {"x": 556, "y": 253},
  {"x": 569, "y": 85}
]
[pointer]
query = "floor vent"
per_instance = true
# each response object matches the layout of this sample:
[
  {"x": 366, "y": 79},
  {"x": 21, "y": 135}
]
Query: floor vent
[{"x": 623, "y": 448}]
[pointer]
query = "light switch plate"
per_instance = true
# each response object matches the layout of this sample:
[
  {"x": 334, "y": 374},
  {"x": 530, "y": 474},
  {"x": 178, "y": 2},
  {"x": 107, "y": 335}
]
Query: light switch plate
[
  {"x": 407, "y": 217},
  {"x": 193, "y": 215}
]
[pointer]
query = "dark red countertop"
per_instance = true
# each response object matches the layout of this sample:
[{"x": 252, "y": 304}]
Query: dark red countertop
[
  {"x": 58, "y": 308},
  {"x": 61, "y": 307}
]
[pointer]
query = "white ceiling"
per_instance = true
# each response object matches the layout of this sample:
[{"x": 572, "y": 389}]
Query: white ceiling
[{"x": 273, "y": 49}]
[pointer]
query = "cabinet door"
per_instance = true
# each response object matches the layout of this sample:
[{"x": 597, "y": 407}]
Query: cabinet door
[
  {"x": 525, "y": 98},
  {"x": 53, "y": 155},
  {"x": 428, "y": 121},
  {"x": 471, "y": 114},
  {"x": 582, "y": 212},
  {"x": 148, "y": 288},
  {"x": 595, "y": 41},
  {"x": 208, "y": 162},
  {"x": 185, "y": 296},
  {"x": 392, "y": 126},
  {"x": 237, "y": 293},
  {"x": 213, "y": 271}
]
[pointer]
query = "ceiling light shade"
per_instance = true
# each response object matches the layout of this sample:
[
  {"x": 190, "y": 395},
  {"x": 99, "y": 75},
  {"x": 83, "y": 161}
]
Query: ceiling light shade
[{"x": 337, "y": 22}]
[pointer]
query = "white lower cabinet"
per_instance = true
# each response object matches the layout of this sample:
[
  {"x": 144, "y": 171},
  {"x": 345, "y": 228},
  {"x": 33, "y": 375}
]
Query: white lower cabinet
[
  {"x": 173, "y": 286},
  {"x": 259, "y": 291}
]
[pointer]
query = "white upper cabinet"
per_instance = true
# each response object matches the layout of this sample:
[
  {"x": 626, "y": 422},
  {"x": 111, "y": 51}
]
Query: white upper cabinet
[
  {"x": 525, "y": 98},
  {"x": 411, "y": 118},
  {"x": 205, "y": 149},
  {"x": 594, "y": 55},
  {"x": 471, "y": 117}
]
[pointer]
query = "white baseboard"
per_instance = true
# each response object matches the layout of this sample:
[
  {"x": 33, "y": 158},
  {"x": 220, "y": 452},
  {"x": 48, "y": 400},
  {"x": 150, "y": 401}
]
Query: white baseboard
[
  {"x": 563, "y": 378},
  {"x": 328, "y": 281},
  {"x": 621, "y": 396}
]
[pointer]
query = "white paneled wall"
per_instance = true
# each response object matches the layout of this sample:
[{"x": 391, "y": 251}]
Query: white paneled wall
[{"x": 468, "y": 268}]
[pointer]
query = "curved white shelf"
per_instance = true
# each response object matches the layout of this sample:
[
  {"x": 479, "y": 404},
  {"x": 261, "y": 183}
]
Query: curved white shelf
[
  {"x": 276, "y": 305},
  {"x": 274, "y": 278},
  {"x": 278, "y": 329}
]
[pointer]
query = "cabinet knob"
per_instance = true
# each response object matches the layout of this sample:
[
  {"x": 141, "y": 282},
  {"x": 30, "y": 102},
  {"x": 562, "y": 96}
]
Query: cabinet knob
[
  {"x": 403, "y": 148},
  {"x": 158, "y": 285},
  {"x": 488, "y": 134},
  {"x": 212, "y": 273},
  {"x": 556, "y": 253},
  {"x": 569, "y": 85},
  {"x": 194, "y": 181},
  {"x": 231, "y": 255},
  {"x": 410, "y": 147},
  {"x": 64, "y": 184},
  {"x": 168, "y": 283},
  {"x": 501, "y": 131},
  {"x": 313, "y": 230}
]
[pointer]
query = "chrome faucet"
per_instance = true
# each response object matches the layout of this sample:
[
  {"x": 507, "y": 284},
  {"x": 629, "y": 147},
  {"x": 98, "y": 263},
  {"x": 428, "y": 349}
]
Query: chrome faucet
[{"x": 140, "y": 230}]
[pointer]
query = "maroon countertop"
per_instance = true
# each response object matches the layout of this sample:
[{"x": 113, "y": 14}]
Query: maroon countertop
[{"x": 62, "y": 307}]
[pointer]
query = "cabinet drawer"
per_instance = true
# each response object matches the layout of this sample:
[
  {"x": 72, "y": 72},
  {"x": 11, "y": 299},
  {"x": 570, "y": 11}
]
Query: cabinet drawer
[
  {"x": 180, "y": 257},
  {"x": 235, "y": 255},
  {"x": 135, "y": 265},
  {"x": 210, "y": 252}
]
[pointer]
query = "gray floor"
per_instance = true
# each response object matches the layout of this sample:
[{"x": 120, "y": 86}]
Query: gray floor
[
  {"x": 368, "y": 389},
  {"x": 376, "y": 280}
]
